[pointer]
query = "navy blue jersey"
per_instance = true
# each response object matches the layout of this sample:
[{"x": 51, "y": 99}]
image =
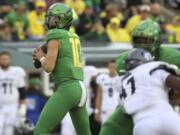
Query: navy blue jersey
[{"x": 35, "y": 102}]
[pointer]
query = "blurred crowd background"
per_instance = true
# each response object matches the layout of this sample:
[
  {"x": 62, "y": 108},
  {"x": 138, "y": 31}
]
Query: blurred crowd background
[{"x": 94, "y": 20}]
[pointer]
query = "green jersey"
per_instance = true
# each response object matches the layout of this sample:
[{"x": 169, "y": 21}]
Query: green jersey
[
  {"x": 68, "y": 63},
  {"x": 168, "y": 55}
]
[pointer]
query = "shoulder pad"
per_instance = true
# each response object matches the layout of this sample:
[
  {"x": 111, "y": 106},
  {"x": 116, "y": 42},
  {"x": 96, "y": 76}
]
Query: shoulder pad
[
  {"x": 19, "y": 70},
  {"x": 166, "y": 67},
  {"x": 55, "y": 34}
]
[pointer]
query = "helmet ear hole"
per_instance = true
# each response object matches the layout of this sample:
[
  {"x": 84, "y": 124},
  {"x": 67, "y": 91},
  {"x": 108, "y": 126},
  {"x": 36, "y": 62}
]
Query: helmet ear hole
[{"x": 132, "y": 63}]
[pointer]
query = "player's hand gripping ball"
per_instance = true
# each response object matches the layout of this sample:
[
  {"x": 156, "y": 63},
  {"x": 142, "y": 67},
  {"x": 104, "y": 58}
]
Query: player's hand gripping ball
[{"x": 36, "y": 62}]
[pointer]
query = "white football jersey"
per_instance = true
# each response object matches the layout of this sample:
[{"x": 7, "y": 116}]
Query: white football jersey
[
  {"x": 142, "y": 90},
  {"x": 89, "y": 72},
  {"x": 10, "y": 81},
  {"x": 109, "y": 95}
]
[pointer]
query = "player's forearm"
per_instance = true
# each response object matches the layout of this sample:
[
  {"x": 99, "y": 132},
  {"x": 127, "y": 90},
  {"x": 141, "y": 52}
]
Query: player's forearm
[
  {"x": 22, "y": 108},
  {"x": 173, "y": 82},
  {"x": 22, "y": 101},
  {"x": 98, "y": 99},
  {"x": 47, "y": 64}
]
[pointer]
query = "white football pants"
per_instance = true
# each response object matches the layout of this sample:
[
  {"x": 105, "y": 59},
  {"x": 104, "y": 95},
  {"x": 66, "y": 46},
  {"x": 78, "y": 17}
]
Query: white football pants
[{"x": 164, "y": 123}]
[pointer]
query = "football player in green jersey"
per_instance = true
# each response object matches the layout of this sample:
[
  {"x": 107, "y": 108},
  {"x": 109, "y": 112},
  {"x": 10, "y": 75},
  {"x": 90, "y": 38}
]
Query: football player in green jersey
[
  {"x": 63, "y": 60},
  {"x": 146, "y": 35}
]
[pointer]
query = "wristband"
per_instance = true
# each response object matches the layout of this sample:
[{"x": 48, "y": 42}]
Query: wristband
[{"x": 42, "y": 59}]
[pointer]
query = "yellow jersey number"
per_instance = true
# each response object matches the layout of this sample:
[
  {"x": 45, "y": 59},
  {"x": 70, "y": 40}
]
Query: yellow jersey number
[{"x": 76, "y": 49}]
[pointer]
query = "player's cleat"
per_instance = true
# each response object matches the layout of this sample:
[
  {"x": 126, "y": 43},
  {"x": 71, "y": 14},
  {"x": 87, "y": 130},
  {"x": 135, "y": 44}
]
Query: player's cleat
[{"x": 24, "y": 127}]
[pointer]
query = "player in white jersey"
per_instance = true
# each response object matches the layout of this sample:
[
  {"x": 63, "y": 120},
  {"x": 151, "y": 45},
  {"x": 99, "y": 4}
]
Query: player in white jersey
[
  {"x": 107, "y": 97},
  {"x": 89, "y": 73},
  {"x": 144, "y": 94},
  {"x": 12, "y": 85}
]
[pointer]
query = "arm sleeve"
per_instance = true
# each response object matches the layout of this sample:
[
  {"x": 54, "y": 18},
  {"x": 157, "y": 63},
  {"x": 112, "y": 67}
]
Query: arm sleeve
[
  {"x": 176, "y": 59},
  {"x": 22, "y": 93},
  {"x": 172, "y": 58},
  {"x": 120, "y": 61},
  {"x": 161, "y": 74}
]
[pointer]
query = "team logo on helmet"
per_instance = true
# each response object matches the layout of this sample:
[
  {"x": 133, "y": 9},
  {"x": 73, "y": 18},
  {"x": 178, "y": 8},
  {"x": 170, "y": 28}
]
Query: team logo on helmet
[{"x": 148, "y": 56}]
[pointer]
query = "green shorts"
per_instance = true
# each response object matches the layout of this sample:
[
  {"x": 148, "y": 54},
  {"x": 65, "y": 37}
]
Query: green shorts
[{"x": 69, "y": 97}]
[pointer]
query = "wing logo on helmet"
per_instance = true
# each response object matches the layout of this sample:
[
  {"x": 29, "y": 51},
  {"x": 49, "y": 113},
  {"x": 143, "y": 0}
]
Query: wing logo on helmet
[
  {"x": 52, "y": 6},
  {"x": 148, "y": 56}
]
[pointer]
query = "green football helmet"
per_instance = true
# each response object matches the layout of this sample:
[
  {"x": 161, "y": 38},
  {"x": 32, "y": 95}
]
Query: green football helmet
[
  {"x": 59, "y": 15},
  {"x": 147, "y": 35}
]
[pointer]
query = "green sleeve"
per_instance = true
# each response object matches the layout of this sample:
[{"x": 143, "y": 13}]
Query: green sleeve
[
  {"x": 8, "y": 19},
  {"x": 170, "y": 55},
  {"x": 26, "y": 23},
  {"x": 120, "y": 61},
  {"x": 54, "y": 34}
]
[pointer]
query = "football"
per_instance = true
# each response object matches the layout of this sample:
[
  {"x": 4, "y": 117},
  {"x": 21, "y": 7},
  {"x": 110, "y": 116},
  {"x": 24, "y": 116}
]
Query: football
[
  {"x": 44, "y": 47},
  {"x": 37, "y": 63}
]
